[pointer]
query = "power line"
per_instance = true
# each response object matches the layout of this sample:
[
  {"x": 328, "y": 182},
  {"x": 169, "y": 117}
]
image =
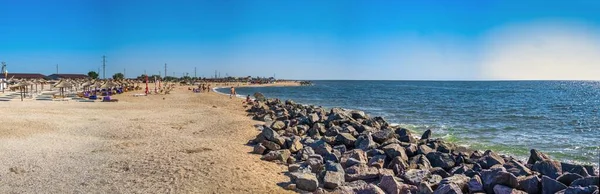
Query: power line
[{"x": 104, "y": 66}]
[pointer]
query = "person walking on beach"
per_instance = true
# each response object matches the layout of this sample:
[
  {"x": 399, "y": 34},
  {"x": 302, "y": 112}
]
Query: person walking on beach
[{"x": 232, "y": 92}]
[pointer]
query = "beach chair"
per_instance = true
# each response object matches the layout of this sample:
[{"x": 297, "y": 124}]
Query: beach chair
[
  {"x": 108, "y": 99},
  {"x": 94, "y": 97}
]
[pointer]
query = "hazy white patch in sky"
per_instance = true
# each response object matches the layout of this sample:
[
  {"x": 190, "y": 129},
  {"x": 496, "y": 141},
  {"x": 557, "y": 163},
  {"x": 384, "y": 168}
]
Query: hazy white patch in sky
[{"x": 549, "y": 50}]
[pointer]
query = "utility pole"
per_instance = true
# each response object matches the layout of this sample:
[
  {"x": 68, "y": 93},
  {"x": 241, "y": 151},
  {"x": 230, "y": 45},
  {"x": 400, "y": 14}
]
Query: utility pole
[
  {"x": 165, "y": 69},
  {"x": 124, "y": 73},
  {"x": 195, "y": 72},
  {"x": 56, "y": 68},
  {"x": 160, "y": 74},
  {"x": 104, "y": 66},
  {"x": 145, "y": 73},
  {"x": 215, "y": 74}
]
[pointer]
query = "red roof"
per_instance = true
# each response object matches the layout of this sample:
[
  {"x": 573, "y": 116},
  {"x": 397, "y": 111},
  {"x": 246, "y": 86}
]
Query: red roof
[
  {"x": 23, "y": 75},
  {"x": 68, "y": 76}
]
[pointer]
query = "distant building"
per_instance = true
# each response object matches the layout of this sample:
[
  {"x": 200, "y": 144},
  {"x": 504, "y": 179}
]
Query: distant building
[
  {"x": 67, "y": 76},
  {"x": 23, "y": 76}
]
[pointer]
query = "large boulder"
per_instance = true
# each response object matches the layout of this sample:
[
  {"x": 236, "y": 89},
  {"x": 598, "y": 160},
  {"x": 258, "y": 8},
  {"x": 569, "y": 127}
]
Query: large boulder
[
  {"x": 321, "y": 147},
  {"x": 549, "y": 168},
  {"x": 586, "y": 181},
  {"x": 394, "y": 150},
  {"x": 269, "y": 133},
  {"x": 517, "y": 168},
  {"x": 377, "y": 161},
  {"x": 365, "y": 142},
  {"x": 495, "y": 177},
  {"x": 358, "y": 114},
  {"x": 416, "y": 176},
  {"x": 306, "y": 181},
  {"x": 295, "y": 145},
  {"x": 442, "y": 160},
  {"x": 333, "y": 180},
  {"x": 333, "y": 166},
  {"x": 490, "y": 159},
  {"x": 426, "y": 134},
  {"x": 361, "y": 172},
  {"x": 360, "y": 187},
  {"x": 568, "y": 178},
  {"x": 278, "y": 125},
  {"x": 448, "y": 189},
  {"x": 356, "y": 154},
  {"x": 259, "y": 149},
  {"x": 458, "y": 180},
  {"x": 536, "y": 156},
  {"x": 551, "y": 186},
  {"x": 580, "y": 190},
  {"x": 419, "y": 162},
  {"x": 279, "y": 155},
  {"x": 271, "y": 145},
  {"x": 383, "y": 135},
  {"x": 346, "y": 139},
  {"x": 390, "y": 185},
  {"x": 501, "y": 189},
  {"x": 475, "y": 185},
  {"x": 529, "y": 184},
  {"x": 576, "y": 169}
]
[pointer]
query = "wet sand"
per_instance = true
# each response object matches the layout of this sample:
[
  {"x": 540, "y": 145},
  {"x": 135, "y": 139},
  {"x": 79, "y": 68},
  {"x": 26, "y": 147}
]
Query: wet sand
[{"x": 186, "y": 143}]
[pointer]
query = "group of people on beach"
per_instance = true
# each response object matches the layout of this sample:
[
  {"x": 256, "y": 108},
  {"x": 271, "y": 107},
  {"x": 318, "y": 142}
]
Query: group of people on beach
[{"x": 202, "y": 88}]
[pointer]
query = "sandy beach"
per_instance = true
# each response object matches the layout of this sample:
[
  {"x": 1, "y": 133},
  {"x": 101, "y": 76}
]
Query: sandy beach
[{"x": 185, "y": 143}]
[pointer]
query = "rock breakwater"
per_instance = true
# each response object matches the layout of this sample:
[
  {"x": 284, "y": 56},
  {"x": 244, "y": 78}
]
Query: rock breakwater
[{"x": 347, "y": 151}]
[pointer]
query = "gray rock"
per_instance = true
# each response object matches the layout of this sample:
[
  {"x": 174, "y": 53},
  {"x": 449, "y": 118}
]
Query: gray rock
[
  {"x": 390, "y": 185},
  {"x": 426, "y": 134},
  {"x": 490, "y": 159},
  {"x": 359, "y": 155},
  {"x": 333, "y": 131},
  {"x": 305, "y": 153},
  {"x": 416, "y": 176},
  {"x": 576, "y": 169},
  {"x": 475, "y": 185},
  {"x": 377, "y": 161},
  {"x": 551, "y": 186},
  {"x": 419, "y": 162},
  {"x": 321, "y": 147},
  {"x": 394, "y": 150},
  {"x": 271, "y": 145},
  {"x": 314, "y": 118},
  {"x": 295, "y": 145},
  {"x": 316, "y": 164},
  {"x": 442, "y": 160},
  {"x": 425, "y": 188},
  {"x": 448, "y": 189},
  {"x": 458, "y": 180},
  {"x": 530, "y": 184},
  {"x": 332, "y": 179},
  {"x": 424, "y": 149},
  {"x": 536, "y": 156},
  {"x": 259, "y": 149},
  {"x": 517, "y": 168},
  {"x": 293, "y": 167},
  {"x": 333, "y": 166},
  {"x": 494, "y": 177},
  {"x": 341, "y": 148},
  {"x": 439, "y": 171},
  {"x": 346, "y": 139},
  {"x": 279, "y": 155},
  {"x": 365, "y": 142},
  {"x": 586, "y": 181},
  {"x": 501, "y": 189},
  {"x": 307, "y": 182},
  {"x": 580, "y": 190},
  {"x": 549, "y": 168},
  {"x": 358, "y": 114},
  {"x": 382, "y": 136},
  {"x": 568, "y": 178},
  {"x": 361, "y": 172},
  {"x": 363, "y": 188},
  {"x": 278, "y": 125},
  {"x": 269, "y": 134},
  {"x": 411, "y": 149}
]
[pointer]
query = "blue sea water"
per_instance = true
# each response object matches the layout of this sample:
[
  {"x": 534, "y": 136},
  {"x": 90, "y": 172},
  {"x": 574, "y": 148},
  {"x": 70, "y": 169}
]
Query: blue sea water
[{"x": 512, "y": 117}]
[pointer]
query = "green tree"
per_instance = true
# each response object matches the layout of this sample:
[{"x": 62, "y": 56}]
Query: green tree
[
  {"x": 118, "y": 76},
  {"x": 93, "y": 75}
]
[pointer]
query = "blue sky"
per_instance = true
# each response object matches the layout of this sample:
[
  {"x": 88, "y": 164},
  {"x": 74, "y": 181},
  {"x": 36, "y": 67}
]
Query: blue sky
[{"x": 392, "y": 40}]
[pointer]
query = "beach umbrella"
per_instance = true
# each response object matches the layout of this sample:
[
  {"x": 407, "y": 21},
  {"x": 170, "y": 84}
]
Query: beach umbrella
[
  {"x": 109, "y": 85},
  {"x": 62, "y": 84}
]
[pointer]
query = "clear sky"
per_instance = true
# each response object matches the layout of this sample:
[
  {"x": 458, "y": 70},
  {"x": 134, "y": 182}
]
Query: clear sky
[{"x": 392, "y": 40}]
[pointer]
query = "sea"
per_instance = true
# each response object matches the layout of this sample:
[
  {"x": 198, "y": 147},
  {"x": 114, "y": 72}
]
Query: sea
[{"x": 560, "y": 118}]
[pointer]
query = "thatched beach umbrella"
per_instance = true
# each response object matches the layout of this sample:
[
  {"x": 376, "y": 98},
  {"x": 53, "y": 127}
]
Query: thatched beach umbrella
[
  {"x": 108, "y": 85},
  {"x": 62, "y": 85}
]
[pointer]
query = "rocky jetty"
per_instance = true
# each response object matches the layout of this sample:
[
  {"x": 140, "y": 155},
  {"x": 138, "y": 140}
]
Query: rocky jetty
[{"x": 347, "y": 151}]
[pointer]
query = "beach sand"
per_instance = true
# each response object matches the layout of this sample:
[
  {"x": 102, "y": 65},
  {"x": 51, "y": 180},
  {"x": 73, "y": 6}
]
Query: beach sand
[{"x": 186, "y": 143}]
